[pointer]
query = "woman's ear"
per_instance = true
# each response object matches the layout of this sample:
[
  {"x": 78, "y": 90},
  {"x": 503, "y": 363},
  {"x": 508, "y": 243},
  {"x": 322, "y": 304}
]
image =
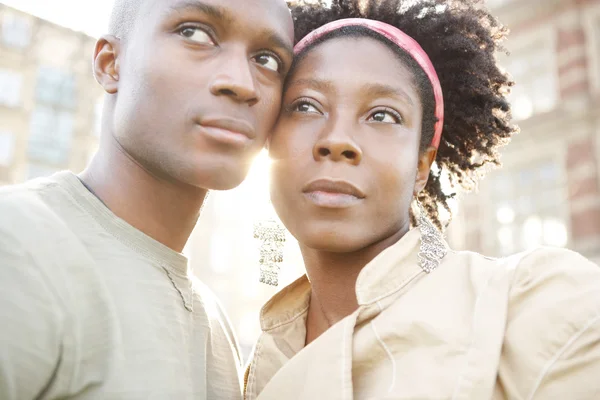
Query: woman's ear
[
  {"x": 426, "y": 159},
  {"x": 106, "y": 63}
]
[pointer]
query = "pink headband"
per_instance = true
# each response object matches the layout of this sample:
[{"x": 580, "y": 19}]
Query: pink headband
[{"x": 403, "y": 41}]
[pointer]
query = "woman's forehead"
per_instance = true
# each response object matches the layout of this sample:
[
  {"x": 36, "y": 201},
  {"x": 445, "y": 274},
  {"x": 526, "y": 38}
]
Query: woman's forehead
[{"x": 351, "y": 60}]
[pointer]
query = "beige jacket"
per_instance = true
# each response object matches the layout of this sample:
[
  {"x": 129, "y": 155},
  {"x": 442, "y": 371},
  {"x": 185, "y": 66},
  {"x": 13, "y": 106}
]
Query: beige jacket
[{"x": 523, "y": 327}]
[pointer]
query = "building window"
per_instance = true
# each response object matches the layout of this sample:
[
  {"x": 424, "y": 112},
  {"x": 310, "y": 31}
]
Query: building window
[
  {"x": 56, "y": 87},
  {"x": 533, "y": 69},
  {"x": 50, "y": 135},
  {"x": 7, "y": 148},
  {"x": 10, "y": 88},
  {"x": 16, "y": 30},
  {"x": 527, "y": 207}
]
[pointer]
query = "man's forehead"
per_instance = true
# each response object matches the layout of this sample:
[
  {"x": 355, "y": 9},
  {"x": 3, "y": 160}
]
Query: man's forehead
[
  {"x": 259, "y": 15},
  {"x": 267, "y": 7}
]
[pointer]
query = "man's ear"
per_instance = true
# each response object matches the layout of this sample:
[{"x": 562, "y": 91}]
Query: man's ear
[
  {"x": 106, "y": 63},
  {"x": 426, "y": 159}
]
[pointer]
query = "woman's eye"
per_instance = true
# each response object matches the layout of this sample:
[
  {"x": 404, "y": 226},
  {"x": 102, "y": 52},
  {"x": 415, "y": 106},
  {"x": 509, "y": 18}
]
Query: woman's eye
[
  {"x": 268, "y": 61},
  {"x": 197, "y": 35},
  {"x": 305, "y": 107},
  {"x": 386, "y": 117}
]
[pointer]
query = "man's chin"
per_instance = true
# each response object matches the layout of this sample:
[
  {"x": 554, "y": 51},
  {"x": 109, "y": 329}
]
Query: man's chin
[{"x": 220, "y": 178}]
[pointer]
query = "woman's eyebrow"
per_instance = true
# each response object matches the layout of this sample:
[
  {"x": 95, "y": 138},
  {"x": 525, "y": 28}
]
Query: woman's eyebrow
[
  {"x": 320, "y": 85},
  {"x": 382, "y": 90}
]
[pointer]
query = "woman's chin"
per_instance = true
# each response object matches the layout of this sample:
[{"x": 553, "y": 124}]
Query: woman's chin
[{"x": 332, "y": 241}]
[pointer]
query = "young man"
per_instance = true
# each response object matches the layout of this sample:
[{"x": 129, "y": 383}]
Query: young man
[{"x": 96, "y": 301}]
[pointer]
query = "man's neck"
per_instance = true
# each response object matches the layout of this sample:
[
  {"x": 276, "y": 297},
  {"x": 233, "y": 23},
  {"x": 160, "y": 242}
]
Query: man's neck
[
  {"x": 333, "y": 282},
  {"x": 164, "y": 210}
]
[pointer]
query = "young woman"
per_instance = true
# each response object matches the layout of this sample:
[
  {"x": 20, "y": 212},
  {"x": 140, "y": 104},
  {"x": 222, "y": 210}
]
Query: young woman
[{"x": 374, "y": 109}]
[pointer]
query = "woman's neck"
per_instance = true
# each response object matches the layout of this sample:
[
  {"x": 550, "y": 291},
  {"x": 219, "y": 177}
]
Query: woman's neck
[{"x": 333, "y": 281}]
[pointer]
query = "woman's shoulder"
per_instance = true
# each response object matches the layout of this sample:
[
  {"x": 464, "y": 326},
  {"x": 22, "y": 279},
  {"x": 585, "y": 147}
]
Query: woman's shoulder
[
  {"x": 553, "y": 323},
  {"x": 543, "y": 262},
  {"x": 553, "y": 285},
  {"x": 537, "y": 264},
  {"x": 551, "y": 346},
  {"x": 538, "y": 277}
]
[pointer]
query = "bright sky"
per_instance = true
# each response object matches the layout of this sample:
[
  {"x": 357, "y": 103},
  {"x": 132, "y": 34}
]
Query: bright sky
[
  {"x": 86, "y": 16},
  {"x": 89, "y": 16}
]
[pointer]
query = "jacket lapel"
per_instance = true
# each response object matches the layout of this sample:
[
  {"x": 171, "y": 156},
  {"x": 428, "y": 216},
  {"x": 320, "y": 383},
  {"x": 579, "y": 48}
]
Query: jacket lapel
[{"x": 322, "y": 370}]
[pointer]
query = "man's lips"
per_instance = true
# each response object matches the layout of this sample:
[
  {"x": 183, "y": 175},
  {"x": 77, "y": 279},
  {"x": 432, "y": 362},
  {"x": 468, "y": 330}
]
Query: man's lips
[{"x": 228, "y": 130}]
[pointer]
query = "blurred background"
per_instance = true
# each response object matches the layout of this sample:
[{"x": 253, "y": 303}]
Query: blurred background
[{"x": 546, "y": 193}]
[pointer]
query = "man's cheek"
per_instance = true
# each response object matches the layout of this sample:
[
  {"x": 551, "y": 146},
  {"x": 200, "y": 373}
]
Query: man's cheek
[
  {"x": 272, "y": 103},
  {"x": 266, "y": 118}
]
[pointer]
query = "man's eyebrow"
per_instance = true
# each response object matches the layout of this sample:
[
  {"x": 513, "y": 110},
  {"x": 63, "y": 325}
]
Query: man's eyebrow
[
  {"x": 216, "y": 12},
  {"x": 223, "y": 15},
  {"x": 381, "y": 90},
  {"x": 278, "y": 41}
]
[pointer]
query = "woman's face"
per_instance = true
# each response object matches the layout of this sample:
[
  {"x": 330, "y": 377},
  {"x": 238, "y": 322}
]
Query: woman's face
[{"x": 346, "y": 146}]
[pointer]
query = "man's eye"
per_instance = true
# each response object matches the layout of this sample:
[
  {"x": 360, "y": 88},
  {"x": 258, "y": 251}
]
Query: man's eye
[
  {"x": 197, "y": 35},
  {"x": 305, "y": 107},
  {"x": 268, "y": 61}
]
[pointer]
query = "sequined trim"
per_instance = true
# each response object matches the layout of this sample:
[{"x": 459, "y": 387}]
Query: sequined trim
[
  {"x": 272, "y": 236},
  {"x": 432, "y": 248}
]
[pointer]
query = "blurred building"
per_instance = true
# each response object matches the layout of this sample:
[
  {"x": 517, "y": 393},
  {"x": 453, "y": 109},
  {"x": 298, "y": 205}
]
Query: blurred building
[
  {"x": 548, "y": 190},
  {"x": 49, "y": 100}
]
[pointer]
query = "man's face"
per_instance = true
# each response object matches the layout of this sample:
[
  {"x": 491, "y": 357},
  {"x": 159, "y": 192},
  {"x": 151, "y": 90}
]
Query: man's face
[{"x": 199, "y": 86}]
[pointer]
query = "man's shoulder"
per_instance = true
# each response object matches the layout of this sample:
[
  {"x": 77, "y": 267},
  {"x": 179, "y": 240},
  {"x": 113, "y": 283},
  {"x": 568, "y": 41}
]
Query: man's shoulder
[
  {"x": 24, "y": 202},
  {"x": 28, "y": 211},
  {"x": 208, "y": 299},
  {"x": 27, "y": 193},
  {"x": 215, "y": 313}
]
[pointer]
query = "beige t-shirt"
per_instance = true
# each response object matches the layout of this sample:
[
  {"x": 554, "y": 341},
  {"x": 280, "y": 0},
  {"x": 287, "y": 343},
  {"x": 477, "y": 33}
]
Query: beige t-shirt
[{"x": 92, "y": 308}]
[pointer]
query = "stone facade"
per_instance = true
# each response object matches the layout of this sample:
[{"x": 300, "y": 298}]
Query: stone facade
[
  {"x": 49, "y": 100},
  {"x": 548, "y": 190}
]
